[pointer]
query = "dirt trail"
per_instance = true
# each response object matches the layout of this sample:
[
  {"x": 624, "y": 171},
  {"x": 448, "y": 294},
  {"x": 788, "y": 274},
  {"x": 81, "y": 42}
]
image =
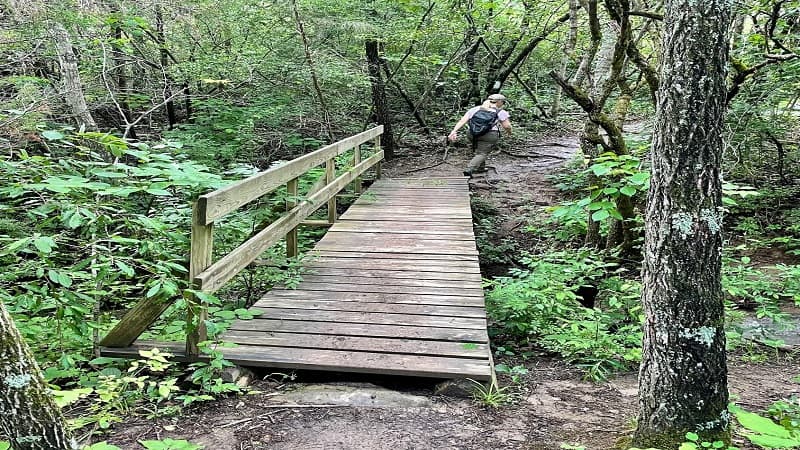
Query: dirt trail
[{"x": 551, "y": 404}]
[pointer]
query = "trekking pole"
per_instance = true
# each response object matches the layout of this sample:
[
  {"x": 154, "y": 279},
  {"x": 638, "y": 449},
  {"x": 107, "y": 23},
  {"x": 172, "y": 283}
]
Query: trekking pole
[{"x": 446, "y": 148}]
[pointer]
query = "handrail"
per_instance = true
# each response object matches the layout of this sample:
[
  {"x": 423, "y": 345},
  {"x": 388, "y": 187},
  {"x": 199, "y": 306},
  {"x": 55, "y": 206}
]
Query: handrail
[
  {"x": 216, "y": 204},
  {"x": 208, "y": 276}
]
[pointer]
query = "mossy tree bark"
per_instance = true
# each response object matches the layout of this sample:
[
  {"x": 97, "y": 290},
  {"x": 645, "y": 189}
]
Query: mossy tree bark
[
  {"x": 28, "y": 416},
  {"x": 683, "y": 377}
]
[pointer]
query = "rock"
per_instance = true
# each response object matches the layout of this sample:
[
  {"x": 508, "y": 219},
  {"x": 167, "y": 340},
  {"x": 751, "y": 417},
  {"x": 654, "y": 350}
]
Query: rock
[
  {"x": 237, "y": 375},
  {"x": 369, "y": 396},
  {"x": 455, "y": 388}
]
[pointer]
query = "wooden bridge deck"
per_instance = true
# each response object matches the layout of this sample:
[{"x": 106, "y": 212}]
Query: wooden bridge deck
[{"x": 394, "y": 288}]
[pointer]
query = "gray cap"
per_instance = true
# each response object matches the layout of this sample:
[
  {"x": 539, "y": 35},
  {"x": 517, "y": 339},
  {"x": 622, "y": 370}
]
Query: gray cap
[{"x": 497, "y": 97}]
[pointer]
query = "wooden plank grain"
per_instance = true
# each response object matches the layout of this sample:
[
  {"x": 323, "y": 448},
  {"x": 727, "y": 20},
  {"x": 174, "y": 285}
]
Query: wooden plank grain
[
  {"x": 393, "y": 308},
  {"x": 377, "y": 297},
  {"x": 358, "y": 344},
  {"x": 369, "y": 271},
  {"x": 363, "y": 362},
  {"x": 390, "y": 281},
  {"x": 372, "y": 288},
  {"x": 363, "y": 329},
  {"x": 381, "y": 318}
]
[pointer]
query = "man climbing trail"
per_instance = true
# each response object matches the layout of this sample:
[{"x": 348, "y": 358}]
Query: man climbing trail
[{"x": 484, "y": 130}]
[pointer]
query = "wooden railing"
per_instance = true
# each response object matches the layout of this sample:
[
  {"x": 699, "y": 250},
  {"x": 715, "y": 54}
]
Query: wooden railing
[{"x": 208, "y": 276}]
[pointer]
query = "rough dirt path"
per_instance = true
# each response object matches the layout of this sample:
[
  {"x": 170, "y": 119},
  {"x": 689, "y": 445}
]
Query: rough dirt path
[{"x": 551, "y": 404}]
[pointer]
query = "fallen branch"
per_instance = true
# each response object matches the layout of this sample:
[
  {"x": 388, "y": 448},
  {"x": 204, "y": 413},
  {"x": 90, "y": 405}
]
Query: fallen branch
[{"x": 533, "y": 155}]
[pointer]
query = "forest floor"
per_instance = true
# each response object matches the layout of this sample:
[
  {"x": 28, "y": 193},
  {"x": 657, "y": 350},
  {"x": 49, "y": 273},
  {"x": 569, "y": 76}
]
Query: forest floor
[{"x": 551, "y": 404}]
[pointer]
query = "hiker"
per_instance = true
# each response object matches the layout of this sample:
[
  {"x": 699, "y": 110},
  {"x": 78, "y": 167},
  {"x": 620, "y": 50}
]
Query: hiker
[{"x": 484, "y": 130}]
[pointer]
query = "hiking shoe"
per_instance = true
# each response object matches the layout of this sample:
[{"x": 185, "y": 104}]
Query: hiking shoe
[{"x": 468, "y": 173}]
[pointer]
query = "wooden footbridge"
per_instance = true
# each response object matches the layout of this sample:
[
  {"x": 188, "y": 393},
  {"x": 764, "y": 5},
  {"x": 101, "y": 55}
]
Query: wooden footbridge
[{"x": 393, "y": 287}]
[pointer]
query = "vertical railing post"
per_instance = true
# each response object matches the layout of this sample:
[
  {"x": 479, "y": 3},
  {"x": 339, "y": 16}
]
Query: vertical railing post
[
  {"x": 291, "y": 202},
  {"x": 202, "y": 246},
  {"x": 356, "y": 161},
  {"x": 330, "y": 174},
  {"x": 378, "y": 166}
]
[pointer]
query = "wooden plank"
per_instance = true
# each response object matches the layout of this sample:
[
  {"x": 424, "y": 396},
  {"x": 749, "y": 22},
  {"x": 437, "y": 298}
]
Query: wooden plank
[
  {"x": 377, "y": 297},
  {"x": 386, "y": 215},
  {"x": 344, "y": 287},
  {"x": 391, "y": 261},
  {"x": 378, "y": 273},
  {"x": 362, "y": 329},
  {"x": 394, "y": 308},
  {"x": 361, "y": 362},
  {"x": 291, "y": 202},
  {"x": 391, "y": 281},
  {"x": 390, "y": 255},
  {"x": 358, "y": 344},
  {"x": 330, "y": 174},
  {"x": 220, "y": 202},
  {"x": 405, "y": 247},
  {"x": 371, "y": 226},
  {"x": 364, "y": 241},
  {"x": 415, "y": 210},
  {"x": 344, "y": 317},
  {"x": 202, "y": 243},
  {"x": 377, "y": 237},
  {"x": 228, "y": 266}
]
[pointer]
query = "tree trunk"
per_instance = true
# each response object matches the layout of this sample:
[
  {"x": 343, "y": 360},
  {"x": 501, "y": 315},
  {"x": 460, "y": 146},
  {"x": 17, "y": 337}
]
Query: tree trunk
[
  {"x": 73, "y": 91},
  {"x": 163, "y": 56},
  {"x": 569, "y": 54},
  {"x": 380, "y": 107},
  {"x": 683, "y": 377},
  {"x": 313, "y": 70},
  {"x": 28, "y": 416}
]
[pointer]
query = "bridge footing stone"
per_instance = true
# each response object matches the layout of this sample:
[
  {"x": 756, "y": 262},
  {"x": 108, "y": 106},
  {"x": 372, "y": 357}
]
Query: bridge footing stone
[{"x": 459, "y": 388}]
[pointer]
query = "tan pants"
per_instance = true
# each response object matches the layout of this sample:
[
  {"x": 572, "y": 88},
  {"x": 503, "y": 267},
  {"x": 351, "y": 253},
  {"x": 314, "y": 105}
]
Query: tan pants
[{"x": 482, "y": 147}]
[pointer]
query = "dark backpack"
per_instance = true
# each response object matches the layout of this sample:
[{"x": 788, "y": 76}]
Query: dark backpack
[{"x": 482, "y": 122}]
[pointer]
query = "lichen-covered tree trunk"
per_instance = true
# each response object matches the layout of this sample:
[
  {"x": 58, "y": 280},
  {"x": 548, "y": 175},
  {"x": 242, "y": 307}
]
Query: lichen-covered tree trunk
[
  {"x": 73, "y": 90},
  {"x": 28, "y": 416},
  {"x": 683, "y": 377}
]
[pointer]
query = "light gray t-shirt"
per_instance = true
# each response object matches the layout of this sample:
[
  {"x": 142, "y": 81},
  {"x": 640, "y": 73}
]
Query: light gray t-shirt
[{"x": 501, "y": 116}]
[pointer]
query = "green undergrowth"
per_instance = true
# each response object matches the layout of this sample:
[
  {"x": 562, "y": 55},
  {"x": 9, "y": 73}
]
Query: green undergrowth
[{"x": 90, "y": 224}]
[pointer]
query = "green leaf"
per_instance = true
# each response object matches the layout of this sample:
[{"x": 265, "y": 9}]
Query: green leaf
[
  {"x": 102, "y": 446},
  {"x": 754, "y": 422},
  {"x": 600, "y": 169},
  {"x": 5, "y": 445},
  {"x": 767, "y": 441},
  {"x": 64, "y": 398},
  {"x": 126, "y": 269},
  {"x": 44, "y": 244},
  {"x": 106, "y": 174},
  {"x": 153, "y": 290},
  {"x": 628, "y": 190},
  {"x": 600, "y": 215},
  {"x": 640, "y": 178},
  {"x": 52, "y": 135},
  {"x": 694, "y": 437},
  {"x": 170, "y": 444}
]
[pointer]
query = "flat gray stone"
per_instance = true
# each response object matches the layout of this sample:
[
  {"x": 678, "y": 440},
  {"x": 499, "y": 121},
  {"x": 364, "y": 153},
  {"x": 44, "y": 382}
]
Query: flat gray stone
[
  {"x": 343, "y": 395},
  {"x": 766, "y": 331}
]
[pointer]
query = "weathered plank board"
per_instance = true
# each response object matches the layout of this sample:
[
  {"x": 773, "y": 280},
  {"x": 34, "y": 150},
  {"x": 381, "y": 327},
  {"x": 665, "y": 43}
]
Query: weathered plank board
[
  {"x": 371, "y": 288},
  {"x": 392, "y": 281},
  {"x": 378, "y": 297},
  {"x": 362, "y": 329},
  {"x": 346, "y": 317},
  {"x": 394, "y": 308},
  {"x": 371, "y": 272},
  {"x": 358, "y": 343}
]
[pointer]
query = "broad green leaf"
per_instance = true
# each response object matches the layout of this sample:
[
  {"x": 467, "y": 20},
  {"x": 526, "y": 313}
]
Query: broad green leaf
[
  {"x": 126, "y": 269},
  {"x": 102, "y": 446},
  {"x": 52, "y": 135},
  {"x": 600, "y": 169},
  {"x": 628, "y": 190},
  {"x": 768, "y": 441},
  {"x": 600, "y": 215},
  {"x": 754, "y": 422},
  {"x": 5, "y": 445},
  {"x": 106, "y": 174},
  {"x": 640, "y": 178},
  {"x": 44, "y": 244},
  {"x": 64, "y": 398}
]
